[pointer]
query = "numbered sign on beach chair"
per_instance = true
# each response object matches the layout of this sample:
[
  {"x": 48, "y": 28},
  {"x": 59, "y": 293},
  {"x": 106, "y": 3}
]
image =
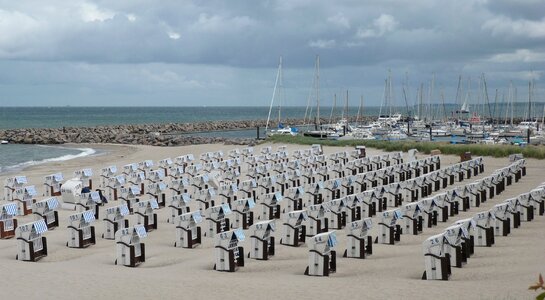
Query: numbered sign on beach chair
[{"x": 31, "y": 244}]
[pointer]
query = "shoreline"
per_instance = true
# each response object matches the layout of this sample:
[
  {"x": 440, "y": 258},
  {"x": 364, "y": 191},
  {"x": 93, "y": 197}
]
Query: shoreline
[{"x": 95, "y": 151}]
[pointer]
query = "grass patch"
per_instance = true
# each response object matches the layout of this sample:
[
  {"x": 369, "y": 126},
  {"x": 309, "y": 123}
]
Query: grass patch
[{"x": 528, "y": 151}]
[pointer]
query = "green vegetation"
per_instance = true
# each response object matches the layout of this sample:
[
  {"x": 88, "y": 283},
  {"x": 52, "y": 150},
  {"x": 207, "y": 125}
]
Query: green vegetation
[
  {"x": 539, "y": 285},
  {"x": 423, "y": 147}
]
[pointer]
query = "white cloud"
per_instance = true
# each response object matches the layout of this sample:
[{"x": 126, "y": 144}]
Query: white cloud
[
  {"x": 383, "y": 24},
  {"x": 131, "y": 17},
  {"x": 213, "y": 23},
  {"x": 91, "y": 13},
  {"x": 502, "y": 25},
  {"x": 520, "y": 55},
  {"x": 339, "y": 20},
  {"x": 173, "y": 35},
  {"x": 16, "y": 26},
  {"x": 322, "y": 44}
]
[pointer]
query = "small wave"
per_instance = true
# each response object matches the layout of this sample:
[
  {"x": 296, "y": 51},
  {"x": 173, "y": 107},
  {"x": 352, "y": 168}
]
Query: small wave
[{"x": 84, "y": 152}]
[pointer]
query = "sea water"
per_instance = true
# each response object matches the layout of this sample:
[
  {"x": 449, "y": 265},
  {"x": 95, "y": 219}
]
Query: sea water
[{"x": 14, "y": 157}]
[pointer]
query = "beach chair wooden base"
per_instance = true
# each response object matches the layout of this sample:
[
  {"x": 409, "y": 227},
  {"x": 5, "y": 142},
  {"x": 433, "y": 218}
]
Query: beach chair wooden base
[{"x": 7, "y": 233}]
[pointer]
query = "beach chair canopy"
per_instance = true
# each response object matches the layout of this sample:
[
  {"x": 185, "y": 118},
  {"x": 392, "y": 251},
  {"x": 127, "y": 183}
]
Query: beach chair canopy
[
  {"x": 140, "y": 231},
  {"x": 9, "y": 209}
]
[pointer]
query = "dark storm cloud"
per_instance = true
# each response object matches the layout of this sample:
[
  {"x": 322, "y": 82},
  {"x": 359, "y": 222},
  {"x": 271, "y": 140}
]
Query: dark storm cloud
[{"x": 225, "y": 52}]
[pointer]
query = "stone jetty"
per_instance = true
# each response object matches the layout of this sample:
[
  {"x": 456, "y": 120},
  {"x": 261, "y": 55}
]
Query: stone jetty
[{"x": 168, "y": 134}]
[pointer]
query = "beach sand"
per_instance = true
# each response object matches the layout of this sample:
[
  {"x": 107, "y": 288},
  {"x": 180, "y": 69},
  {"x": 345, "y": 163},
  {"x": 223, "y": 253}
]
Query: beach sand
[{"x": 503, "y": 271}]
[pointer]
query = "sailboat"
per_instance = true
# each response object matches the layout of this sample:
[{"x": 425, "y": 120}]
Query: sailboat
[
  {"x": 318, "y": 131},
  {"x": 278, "y": 89},
  {"x": 465, "y": 108}
]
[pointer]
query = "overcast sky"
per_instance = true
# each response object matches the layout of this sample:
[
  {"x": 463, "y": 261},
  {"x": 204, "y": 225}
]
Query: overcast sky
[{"x": 193, "y": 53}]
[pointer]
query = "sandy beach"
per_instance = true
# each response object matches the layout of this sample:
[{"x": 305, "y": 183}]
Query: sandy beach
[{"x": 503, "y": 271}]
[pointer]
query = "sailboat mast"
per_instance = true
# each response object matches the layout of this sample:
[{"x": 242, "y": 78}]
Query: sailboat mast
[
  {"x": 281, "y": 91},
  {"x": 509, "y": 103},
  {"x": 512, "y": 104},
  {"x": 274, "y": 94},
  {"x": 383, "y": 102},
  {"x": 317, "y": 90},
  {"x": 333, "y": 108},
  {"x": 457, "y": 99},
  {"x": 359, "y": 111},
  {"x": 390, "y": 100},
  {"x": 432, "y": 111},
  {"x": 345, "y": 114},
  {"x": 486, "y": 97},
  {"x": 529, "y": 101},
  {"x": 443, "y": 101},
  {"x": 420, "y": 110}
]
